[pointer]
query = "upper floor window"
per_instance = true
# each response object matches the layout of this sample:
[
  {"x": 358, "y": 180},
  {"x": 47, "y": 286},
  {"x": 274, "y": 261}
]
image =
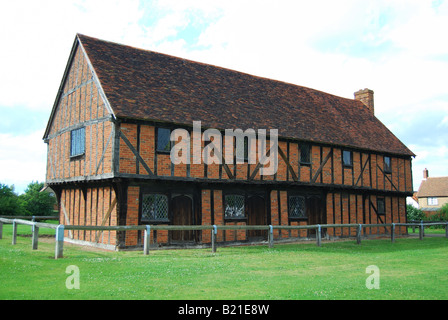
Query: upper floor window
[
  {"x": 297, "y": 207},
  {"x": 163, "y": 140},
  {"x": 154, "y": 207},
  {"x": 433, "y": 201},
  {"x": 234, "y": 206},
  {"x": 77, "y": 142},
  {"x": 305, "y": 154},
  {"x": 380, "y": 206},
  {"x": 387, "y": 165},
  {"x": 347, "y": 158}
]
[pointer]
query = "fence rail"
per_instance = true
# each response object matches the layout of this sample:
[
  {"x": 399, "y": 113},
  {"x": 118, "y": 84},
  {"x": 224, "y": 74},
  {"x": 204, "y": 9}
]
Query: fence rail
[{"x": 59, "y": 238}]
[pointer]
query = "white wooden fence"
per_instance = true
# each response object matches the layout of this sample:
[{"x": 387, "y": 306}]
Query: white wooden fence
[{"x": 59, "y": 238}]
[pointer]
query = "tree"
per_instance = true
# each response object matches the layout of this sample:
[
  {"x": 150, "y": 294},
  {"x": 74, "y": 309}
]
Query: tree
[
  {"x": 10, "y": 204},
  {"x": 37, "y": 203},
  {"x": 414, "y": 214}
]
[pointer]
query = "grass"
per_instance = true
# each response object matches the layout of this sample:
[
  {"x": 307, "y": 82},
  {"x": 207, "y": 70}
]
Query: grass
[{"x": 409, "y": 269}]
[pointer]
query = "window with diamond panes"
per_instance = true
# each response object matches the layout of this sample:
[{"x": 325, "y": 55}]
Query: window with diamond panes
[
  {"x": 155, "y": 207},
  {"x": 234, "y": 206},
  {"x": 297, "y": 207}
]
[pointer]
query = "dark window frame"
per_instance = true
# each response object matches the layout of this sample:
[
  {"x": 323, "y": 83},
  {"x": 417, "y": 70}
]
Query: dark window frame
[
  {"x": 381, "y": 206},
  {"x": 169, "y": 143},
  {"x": 305, "y": 157},
  {"x": 387, "y": 164},
  {"x": 348, "y": 153}
]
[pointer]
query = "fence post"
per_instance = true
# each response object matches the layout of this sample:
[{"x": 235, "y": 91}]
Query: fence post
[
  {"x": 392, "y": 236},
  {"x": 271, "y": 236},
  {"x": 59, "y": 247},
  {"x": 421, "y": 230},
  {"x": 35, "y": 236},
  {"x": 358, "y": 234},
  {"x": 214, "y": 232},
  {"x": 14, "y": 232},
  {"x": 319, "y": 236},
  {"x": 446, "y": 231},
  {"x": 1, "y": 230},
  {"x": 147, "y": 240}
]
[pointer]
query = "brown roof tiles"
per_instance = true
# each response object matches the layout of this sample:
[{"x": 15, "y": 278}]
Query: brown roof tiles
[
  {"x": 433, "y": 187},
  {"x": 142, "y": 84}
]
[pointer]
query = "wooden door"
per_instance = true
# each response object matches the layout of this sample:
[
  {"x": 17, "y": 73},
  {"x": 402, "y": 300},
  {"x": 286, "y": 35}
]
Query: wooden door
[
  {"x": 182, "y": 215},
  {"x": 316, "y": 213},
  {"x": 256, "y": 215}
]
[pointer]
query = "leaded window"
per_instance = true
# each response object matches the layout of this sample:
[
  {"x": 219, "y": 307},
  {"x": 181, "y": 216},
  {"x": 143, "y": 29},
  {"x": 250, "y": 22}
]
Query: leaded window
[
  {"x": 77, "y": 142},
  {"x": 297, "y": 207},
  {"x": 234, "y": 206},
  {"x": 155, "y": 207}
]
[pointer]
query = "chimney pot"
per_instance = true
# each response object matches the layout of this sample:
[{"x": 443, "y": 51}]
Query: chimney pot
[
  {"x": 425, "y": 174},
  {"x": 366, "y": 97}
]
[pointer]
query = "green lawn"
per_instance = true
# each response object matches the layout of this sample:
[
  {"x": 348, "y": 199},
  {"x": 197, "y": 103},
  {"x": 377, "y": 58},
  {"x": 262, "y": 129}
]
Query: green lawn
[{"x": 409, "y": 269}]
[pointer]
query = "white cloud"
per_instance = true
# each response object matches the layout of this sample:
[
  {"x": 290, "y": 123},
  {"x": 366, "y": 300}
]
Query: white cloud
[{"x": 22, "y": 159}]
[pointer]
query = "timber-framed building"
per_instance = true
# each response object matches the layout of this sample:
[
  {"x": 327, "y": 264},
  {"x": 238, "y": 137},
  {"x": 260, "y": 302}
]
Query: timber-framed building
[{"x": 109, "y": 160}]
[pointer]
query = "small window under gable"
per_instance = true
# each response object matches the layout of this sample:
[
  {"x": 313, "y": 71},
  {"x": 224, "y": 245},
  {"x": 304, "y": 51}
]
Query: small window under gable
[{"x": 77, "y": 142}]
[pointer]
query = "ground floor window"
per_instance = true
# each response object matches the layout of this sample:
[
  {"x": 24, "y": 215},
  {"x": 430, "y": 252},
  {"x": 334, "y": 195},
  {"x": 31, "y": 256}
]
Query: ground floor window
[
  {"x": 154, "y": 207},
  {"x": 234, "y": 206},
  {"x": 297, "y": 207}
]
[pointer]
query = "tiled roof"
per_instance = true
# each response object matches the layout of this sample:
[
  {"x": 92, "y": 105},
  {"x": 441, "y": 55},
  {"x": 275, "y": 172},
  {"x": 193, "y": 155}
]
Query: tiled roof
[
  {"x": 433, "y": 187},
  {"x": 142, "y": 84}
]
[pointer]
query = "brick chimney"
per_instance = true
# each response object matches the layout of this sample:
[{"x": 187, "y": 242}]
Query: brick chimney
[
  {"x": 425, "y": 174},
  {"x": 366, "y": 97}
]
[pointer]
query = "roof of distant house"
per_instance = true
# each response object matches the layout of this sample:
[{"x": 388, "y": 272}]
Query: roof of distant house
[{"x": 433, "y": 187}]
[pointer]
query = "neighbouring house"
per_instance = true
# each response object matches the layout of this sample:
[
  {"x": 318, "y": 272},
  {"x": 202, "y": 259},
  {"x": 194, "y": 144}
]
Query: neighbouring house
[
  {"x": 109, "y": 145},
  {"x": 432, "y": 193}
]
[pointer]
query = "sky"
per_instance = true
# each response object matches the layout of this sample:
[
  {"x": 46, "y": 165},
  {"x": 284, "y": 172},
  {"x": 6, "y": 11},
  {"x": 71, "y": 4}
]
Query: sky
[{"x": 397, "y": 48}]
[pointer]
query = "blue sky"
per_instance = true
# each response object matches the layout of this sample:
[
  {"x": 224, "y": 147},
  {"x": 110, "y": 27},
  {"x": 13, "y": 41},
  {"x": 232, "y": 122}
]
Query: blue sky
[{"x": 397, "y": 48}]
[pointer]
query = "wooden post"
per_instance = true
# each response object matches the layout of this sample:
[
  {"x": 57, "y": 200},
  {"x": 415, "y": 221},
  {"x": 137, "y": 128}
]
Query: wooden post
[
  {"x": 147, "y": 240},
  {"x": 59, "y": 246},
  {"x": 271, "y": 237},
  {"x": 392, "y": 236},
  {"x": 1, "y": 230},
  {"x": 358, "y": 234},
  {"x": 214, "y": 232},
  {"x": 420, "y": 233},
  {"x": 14, "y": 232},
  {"x": 319, "y": 235},
  {"x": 35, "y": 236}
]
